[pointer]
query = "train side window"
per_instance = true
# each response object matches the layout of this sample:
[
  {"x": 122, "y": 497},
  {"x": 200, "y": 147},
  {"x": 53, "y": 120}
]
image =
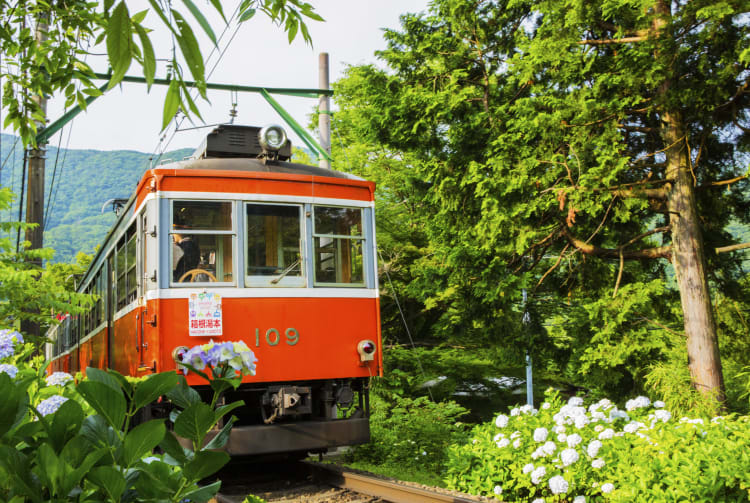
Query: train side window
[
  {"x": 125, "y": 269},
  {"x": 338, "y": 246},
  {"x": 274, "y": 245},
  {"x": 202, "y": 237}
]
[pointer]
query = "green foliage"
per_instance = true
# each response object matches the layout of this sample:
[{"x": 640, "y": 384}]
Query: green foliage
[
  {"x": 68, "y": 442},
  {"x": 604, "y": 454},
  {"x": 410, "y": 435},
  {"x": 76, "y": 29},
  {"x": 519, "y": 145}
]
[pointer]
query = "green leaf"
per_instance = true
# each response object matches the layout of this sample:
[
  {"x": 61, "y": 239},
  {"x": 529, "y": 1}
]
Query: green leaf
[
  {"x": 12, "y": 403},
  {"x": 292, "y": 30},
  {"x": 96, "y": 430},
  {"x": 66, "y": 423},
  {"x": 194, "y": 422},
  {"x": 110, "y": 404},
  {"x": 142, "y": 439},
  {"x": 153, "y": 387},
  {"x": 50, "y": 467},
  {"x": 191, "y": 52},
  {"x": 205, "y": 463},
  {"x": 102, "y": 376},
  {"x": 171, "y": 104},
  {"x": 109, "y": 480},
  {"x": 221, "y": 438},
  {"x": 203, "y": 494},
  {"x": 198, "y": 15},
  {"x": 119, "y": 40},
  {"x": 248, "y": 14},
  {"x": 138, "y": 17},
  {"x": 183, "y": 395},
  {"x": 149, "y": 58},
  {"x": 170, "y": 445},
  {"x": 219, "y": 8},
  {"x": 226, "y": 409}
]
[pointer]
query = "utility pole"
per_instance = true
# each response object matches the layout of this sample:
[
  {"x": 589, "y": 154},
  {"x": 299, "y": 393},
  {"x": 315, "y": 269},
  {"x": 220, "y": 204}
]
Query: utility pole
[
  {"x": 324, "y": 110},
  {"x": 526, "y": 320},
  {"x": 35, "y": 177}
]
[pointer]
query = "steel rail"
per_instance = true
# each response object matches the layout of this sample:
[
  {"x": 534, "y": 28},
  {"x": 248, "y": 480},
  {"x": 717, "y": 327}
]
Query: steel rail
[{"x": 379, "y": 488}]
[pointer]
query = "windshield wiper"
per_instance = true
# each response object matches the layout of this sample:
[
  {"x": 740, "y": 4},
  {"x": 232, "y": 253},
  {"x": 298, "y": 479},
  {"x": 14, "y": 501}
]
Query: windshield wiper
[{"x": 286, "y": 271}]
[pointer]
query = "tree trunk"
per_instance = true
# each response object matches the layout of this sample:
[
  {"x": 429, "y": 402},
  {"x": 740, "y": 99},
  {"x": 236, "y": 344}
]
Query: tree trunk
[{"x": 688, "y": 256}]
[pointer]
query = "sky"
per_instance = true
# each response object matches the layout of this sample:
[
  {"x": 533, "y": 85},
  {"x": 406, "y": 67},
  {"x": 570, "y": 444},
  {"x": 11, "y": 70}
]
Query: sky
[{"x": 129, "y": 118}]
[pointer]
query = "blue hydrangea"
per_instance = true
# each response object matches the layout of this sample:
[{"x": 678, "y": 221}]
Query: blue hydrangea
[
  {"x": 51, "y": 404},
  {"x": 224, "y": 355},
  {"x": 7, "y": 340},
  {"x": 58, "y": 379},
  {"x": 11, "y": 370}
]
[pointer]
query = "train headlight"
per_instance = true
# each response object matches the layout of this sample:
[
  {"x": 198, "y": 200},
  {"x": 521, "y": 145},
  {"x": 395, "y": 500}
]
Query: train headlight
[
  {"x": 272, "y": 138},
  {"x": 366, "y": 350}
]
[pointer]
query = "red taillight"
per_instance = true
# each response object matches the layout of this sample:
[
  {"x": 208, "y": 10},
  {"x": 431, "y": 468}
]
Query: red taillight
[{"x": 368, "y": 347}]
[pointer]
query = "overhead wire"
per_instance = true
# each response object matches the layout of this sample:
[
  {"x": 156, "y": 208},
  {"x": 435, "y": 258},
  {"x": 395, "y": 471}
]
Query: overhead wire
[{"x": 174, "y": 121}]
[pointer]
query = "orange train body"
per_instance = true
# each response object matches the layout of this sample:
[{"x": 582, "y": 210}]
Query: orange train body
[{"x": 286, "y": 252}]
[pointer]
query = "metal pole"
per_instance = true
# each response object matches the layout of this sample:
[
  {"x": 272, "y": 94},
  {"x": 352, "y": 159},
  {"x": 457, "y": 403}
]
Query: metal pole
[
  {"x": 529, "y": 374},
  {"x": 324, "y": 109}
]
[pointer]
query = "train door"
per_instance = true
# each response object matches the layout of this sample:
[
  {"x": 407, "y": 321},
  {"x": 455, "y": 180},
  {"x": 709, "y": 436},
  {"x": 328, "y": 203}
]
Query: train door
[
  {"x": 147, "y": 247},
  {"x": 109, "y": 303}
]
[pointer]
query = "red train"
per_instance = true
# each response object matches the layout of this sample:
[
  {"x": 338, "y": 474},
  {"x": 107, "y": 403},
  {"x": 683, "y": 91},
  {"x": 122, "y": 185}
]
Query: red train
[{"x": 234, "y": 244}]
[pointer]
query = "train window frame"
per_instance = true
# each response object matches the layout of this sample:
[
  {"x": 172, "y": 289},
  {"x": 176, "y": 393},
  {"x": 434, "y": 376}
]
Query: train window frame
[
  {"x": 281, "y": 279},
  {"x": 126, "y": 284},
  {"x": 361, "y": 238},
  {"x": 231, "y": 233}
]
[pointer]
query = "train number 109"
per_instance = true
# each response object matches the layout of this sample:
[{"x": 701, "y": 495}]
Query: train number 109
[{"x": 273, "y": 337}]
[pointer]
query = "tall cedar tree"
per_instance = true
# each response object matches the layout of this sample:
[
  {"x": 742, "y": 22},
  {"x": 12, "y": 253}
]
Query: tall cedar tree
[{"x": 551, "y": 133}]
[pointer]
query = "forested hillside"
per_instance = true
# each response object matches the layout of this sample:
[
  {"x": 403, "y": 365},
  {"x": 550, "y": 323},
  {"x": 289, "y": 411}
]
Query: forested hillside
[{"x": 81, "y": 181}]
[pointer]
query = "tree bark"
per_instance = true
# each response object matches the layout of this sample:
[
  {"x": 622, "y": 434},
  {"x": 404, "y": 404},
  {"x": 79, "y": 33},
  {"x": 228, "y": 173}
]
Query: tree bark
[{"x": 688, "y": 256}]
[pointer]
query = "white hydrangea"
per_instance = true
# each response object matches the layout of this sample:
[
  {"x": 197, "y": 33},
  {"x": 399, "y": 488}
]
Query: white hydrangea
[
  {"x": 538, "y": 474},
  {"x": 598, "y": 415},
  {"x": 574, "y": 440},
  {"x": 528, "y": 468},
  {"x": 663, "y": 415},
  {"x": 501, "y": 421},
  {"x": 538, "y": 500},
  {"x": 559, "y": 429},
  {"x": 561, "y": 437},
  {"x": 546, "y": 405},
  {"x": 568, "y": 456},
  {"x": 597, "y": 463},
  {"x": 497, "y": 437},
  {"x": 581, "y": 421},
  {"x": 598, "y": 428},
  {"x": 528, "y": 409},
  {"x": 498, "y": 490},
  {"x": 504, "y": 442},
  {"x": 659, "y": 404},
  {"x": 558, "y": 485},
  {"x": 515, "y": 434},
  {"x": 608, "y": 488},
  {"x": 517, "y": 443},
  {"x": 607, "y": 434},
  {"x": 579, "y": 499},
  {"x": 575, "y": 401},
  {"x": 515, "y": 411},
  {"x": 632, "y": 427},
  {"x": 540, "y": 434},
  {"x": 548, "y": 448},
  {"x": 593, "y": 448},
  {"x": 637, "y": 403},
  {"x": 605, "y": 403}
]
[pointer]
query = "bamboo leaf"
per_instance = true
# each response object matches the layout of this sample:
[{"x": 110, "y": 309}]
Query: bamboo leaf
[{"x": 198, "y": 15}]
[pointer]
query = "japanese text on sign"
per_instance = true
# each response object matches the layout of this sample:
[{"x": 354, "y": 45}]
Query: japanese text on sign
[{"x": 204, "y": 314}]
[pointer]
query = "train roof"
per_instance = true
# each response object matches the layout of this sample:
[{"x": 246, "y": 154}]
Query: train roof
[{"x": 258, "y": 166}]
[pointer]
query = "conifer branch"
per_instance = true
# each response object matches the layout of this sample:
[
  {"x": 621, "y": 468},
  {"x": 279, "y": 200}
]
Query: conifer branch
[
  {"x": 589, "y": 249},
  {"x": 725, "y": 249},
  {"x": 624, "y": 40}
]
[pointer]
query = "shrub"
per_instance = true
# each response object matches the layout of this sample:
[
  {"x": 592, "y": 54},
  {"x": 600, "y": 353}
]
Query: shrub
[
  {"x": 67, "y": 442},
  {"x": 412, "y": 434},
  {"x": 566, "y": 452}
]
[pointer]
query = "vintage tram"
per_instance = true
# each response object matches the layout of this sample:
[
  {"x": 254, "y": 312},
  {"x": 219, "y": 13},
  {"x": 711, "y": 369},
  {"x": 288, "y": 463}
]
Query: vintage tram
[{"x": 237, "y": 243}]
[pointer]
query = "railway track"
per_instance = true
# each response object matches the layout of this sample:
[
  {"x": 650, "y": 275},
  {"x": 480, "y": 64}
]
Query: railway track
[{"x": 308, "y": 482}]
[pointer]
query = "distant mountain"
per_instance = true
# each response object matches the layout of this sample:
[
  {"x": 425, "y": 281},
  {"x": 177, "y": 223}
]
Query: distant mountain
[{"x": 83, "y": 181}]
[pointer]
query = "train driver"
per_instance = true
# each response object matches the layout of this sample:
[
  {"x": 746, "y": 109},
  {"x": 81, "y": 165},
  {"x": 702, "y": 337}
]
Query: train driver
[{"x": 189, "y": 255}]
